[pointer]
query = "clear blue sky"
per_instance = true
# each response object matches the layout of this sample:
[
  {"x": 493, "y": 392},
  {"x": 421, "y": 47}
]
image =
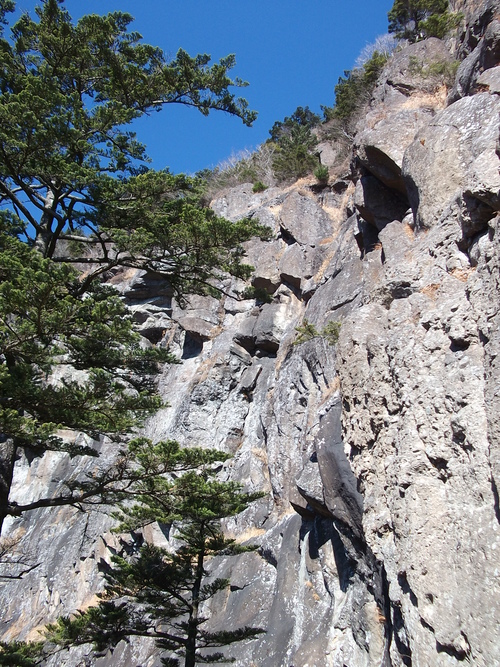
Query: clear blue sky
[{"x": 291, "y": 52}]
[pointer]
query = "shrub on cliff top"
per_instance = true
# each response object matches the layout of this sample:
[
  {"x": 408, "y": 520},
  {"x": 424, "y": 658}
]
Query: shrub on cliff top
[
  {"x": 295, "y": 144},
  {"x": 354, "y": 89},
  {"x": 418, "y": 19}
]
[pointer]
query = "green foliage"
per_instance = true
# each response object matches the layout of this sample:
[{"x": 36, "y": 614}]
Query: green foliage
[
  {"x": 321, "y": 174},
  {"x": 72, "y": 172},
  {"x": 156, "y": 222},
  {"x": 21, "y": 654},
  {"x": 419, "y": 19},
  {"x": 46, "y": 324},
  {"x": 434, "y": 74},
  {"x": 307, "y": 331},
  {"x": 301, "y": 117},
  {"x": 259, "y": 186},
  {"x": 260, "y": 294},
  {"x": 439, "y": 25},
  {"x": 294, "y": 144},
  {"x": 69, "y": 92},
  {"x": 294, "y": 156},
  {"x": 287, "y": 155},
  {"x": 74, "y": 187},
  {"x": 331, "y": 332},
  {"x": 158, "y": 593},
  {"x": 354, "y": 89},
  {"x": 129, "y": 478}
]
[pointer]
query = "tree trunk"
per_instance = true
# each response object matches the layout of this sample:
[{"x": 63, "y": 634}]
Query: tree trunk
[
  {"x": 44, "y": 235},
  {"x": 7, "y": 460},
  {"x": 192, "y": 633}
]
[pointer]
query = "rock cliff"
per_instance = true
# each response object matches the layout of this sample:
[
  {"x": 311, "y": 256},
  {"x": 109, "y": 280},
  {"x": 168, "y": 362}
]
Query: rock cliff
[{"x": 379, "y": 536}]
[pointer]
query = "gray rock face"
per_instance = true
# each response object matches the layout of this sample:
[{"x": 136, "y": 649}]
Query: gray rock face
[
  {"x": 479, "y": 47},
  {"x": 381, "y": 151},
  {"x": 453, "y": 164},
  {"x": 379, "y": 535},
  {"x": 408, "y": 71}
]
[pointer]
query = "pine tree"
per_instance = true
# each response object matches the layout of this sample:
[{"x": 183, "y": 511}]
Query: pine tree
[
  {"x": 21, "y": 654},
  {"x": 418, "y": 19},
  {"x": 67, "y": 362},
  {"x": 73, "y": 178},
  {"x": 71, "y": 169},
  {"x": 294, "y": 144},
  {"x": 160, "y": 594}
]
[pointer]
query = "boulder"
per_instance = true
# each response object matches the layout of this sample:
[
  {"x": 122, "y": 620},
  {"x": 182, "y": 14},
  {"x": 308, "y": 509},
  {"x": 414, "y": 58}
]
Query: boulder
[
  {"x": 299, "y": 263},
  {"x": 265, "y": 257},
  {"x": 303, "y": 221},
  {"x": 490, "y": 80},
  {"x": 196, "y": 327},
  {"x": 270, "y": 327}
]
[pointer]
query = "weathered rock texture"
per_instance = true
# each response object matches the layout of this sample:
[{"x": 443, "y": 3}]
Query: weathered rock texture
[{"x": 379, "y": 538}]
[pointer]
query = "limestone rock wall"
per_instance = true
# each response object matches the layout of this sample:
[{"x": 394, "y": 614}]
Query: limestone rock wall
[{"x": 378, "y": 540}]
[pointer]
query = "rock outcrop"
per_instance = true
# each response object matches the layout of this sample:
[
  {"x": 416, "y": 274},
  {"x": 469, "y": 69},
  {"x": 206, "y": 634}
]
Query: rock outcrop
[{"x": 379, "y": 538}]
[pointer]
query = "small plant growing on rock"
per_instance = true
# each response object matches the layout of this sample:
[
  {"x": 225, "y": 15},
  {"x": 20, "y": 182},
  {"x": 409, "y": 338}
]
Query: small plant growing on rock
[
  {"x": 331, "y": 332},
  {"x": 259, "y": 187},
  {"x": 435, "y": 73},
  {"x": 321, "y": 174},
  {"x": 260, "y": 294},
  {"x": 307, "y": 331}
]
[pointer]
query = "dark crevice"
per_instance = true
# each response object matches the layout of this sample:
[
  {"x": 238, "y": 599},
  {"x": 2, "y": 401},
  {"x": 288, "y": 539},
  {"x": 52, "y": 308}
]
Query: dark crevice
[
  {"x": 402, "y": 289},
  {"x": 345, "y": 563},
  {"x": 426, "y": 625},
  {"x": 359, "y": 241},
  {"x": 441, "y": 466},
  {"x": 268, "y": 556},
  {"x": 478, "y": 214},
  {"x": 233, "y": 588},
  {"x": 494, "y": 488},
  {"x": 483, "y": 338},
  {"x": 343, "y": 303},
  {"x": 192, "y": 347},
  {"x": 458, "y": 654},
  {"x": 292, "y": 283},
  {"x": 265, "y": 352},
  {"x": 385, "y": 609},
  {"x": 459, "y": 437},
  {"x": 154, "y": 334},
  {"x": 406, "y": 588},
  {"x": 400, "y": 637},
  {"x": 286, "y": 236},
  {"x": 367, "y": 237},
  {"x": 459, "y": 345}
]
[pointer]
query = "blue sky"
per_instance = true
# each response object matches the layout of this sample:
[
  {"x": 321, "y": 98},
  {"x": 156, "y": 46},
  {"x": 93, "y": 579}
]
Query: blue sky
[{"x": 291, "y": 53}]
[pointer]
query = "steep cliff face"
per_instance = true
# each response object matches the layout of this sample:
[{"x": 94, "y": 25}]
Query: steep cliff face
[{"x": 380, "y": 456}]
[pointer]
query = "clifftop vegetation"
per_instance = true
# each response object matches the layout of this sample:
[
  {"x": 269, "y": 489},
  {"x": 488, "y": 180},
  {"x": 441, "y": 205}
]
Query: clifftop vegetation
[
  {"x": 417, "y": 19},
  {"x": 291, "y": 152}
]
